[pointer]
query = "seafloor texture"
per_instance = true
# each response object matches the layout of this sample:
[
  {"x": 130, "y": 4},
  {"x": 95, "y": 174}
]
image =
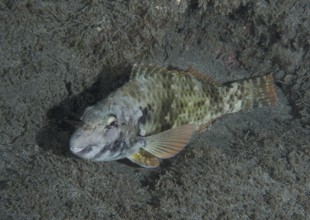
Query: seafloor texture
[{"x": 57, "y": 57}]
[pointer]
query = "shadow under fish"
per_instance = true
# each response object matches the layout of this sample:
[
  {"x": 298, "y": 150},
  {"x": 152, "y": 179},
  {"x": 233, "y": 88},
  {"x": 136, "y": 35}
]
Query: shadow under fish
[{"x": 64, "y": 118}]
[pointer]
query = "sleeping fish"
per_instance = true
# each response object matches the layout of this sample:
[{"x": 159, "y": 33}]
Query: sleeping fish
[{"x": 155, "y": 114}]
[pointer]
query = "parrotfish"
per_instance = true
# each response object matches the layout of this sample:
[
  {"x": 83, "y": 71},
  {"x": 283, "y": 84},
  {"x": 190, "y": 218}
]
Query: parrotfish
[{"x": 155, "y": 114}]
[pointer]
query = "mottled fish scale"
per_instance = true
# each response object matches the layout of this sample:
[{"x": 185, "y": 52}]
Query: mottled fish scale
[
  {"x": 155, "y": 114},
  {"x": 173, "y": 98}
]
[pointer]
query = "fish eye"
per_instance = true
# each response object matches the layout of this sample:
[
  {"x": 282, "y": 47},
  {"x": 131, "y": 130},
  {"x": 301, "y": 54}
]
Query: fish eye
[{"x": 111, "y": 121}]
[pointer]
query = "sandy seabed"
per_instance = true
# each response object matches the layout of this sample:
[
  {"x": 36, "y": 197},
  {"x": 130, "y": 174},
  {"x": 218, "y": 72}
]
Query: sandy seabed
[{"x": 57, "y": 57}]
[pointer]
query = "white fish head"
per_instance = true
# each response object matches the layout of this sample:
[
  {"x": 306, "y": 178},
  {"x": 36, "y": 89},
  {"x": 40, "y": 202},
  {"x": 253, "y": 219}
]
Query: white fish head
[{"x": 104, "y": 135}]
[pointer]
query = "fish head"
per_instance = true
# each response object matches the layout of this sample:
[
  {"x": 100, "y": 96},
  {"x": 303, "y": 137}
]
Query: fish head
[{"x": 104, "y": 135}]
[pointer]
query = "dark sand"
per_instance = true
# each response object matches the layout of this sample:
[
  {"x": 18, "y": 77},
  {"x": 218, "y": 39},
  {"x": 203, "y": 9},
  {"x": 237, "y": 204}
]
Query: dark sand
[{"x": 57, "y": 57}]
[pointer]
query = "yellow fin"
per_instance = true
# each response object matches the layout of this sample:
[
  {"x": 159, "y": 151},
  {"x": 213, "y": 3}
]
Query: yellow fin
[
  {"x": 144, "y": 159},
  {"x": 168, "y": 143}
]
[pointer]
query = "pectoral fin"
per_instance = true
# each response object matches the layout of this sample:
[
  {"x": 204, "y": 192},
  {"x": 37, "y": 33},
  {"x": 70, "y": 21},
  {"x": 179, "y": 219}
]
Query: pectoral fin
[
  {"x": 144, "y": 159},
  {"x": 169, "y": 143}
]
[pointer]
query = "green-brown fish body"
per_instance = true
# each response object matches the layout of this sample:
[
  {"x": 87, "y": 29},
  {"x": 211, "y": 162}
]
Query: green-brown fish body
[{"x": 155, "y": 114}]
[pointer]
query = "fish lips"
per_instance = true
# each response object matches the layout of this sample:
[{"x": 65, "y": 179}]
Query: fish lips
[
  {"x": 84, "y": 145},
  {"x": 92, "y": 145},
  {"x": 82, "y": 152}
]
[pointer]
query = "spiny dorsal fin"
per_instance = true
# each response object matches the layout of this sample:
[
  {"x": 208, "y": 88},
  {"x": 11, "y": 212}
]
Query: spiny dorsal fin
[
  {"x": 169, "y": 143},
  {"x": 146, "y": 71},
  {"x": 144, "y": 159},
  {"x": 201, "y": 76}
]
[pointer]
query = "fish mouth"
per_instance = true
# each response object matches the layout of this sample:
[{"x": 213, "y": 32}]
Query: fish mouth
[{"x": 84, "y": 151}]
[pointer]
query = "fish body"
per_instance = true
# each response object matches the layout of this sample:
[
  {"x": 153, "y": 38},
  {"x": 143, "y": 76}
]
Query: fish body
[{"x": 154, "y": 115}]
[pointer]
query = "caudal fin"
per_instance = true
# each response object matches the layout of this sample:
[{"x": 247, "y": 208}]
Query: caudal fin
[
  {"x": 263, "y": 91},
  {"x": 249, "y": 93}
]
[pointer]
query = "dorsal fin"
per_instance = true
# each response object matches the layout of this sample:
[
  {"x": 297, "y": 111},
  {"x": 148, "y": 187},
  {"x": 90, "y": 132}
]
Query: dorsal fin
[
  {"x": 200, "y": 76},
  {"x": 146, "y": 71}
]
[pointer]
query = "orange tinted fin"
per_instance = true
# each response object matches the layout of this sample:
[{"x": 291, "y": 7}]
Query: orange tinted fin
[
  {"x": 144, "y": 159},
  {"x": 147, "y": 71},
  {"x": 264, "y": 93},
  {"x": 270, "y": 93},
  {"x": 201, "y": 76},
  {"x": 249, "y": 93},
  {"x": 168, "y": 143}
]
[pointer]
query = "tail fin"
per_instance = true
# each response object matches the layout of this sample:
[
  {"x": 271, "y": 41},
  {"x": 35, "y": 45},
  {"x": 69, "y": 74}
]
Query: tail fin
[
  {"x": 265, "y": 93},
  {"x": 250, "y": 93}
]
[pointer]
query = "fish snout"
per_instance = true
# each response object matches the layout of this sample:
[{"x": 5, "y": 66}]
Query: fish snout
[
  {"x": 81, "y": 152},
  {"x": 85, "y": 145},
  {"x": 76, "y": 143}
]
